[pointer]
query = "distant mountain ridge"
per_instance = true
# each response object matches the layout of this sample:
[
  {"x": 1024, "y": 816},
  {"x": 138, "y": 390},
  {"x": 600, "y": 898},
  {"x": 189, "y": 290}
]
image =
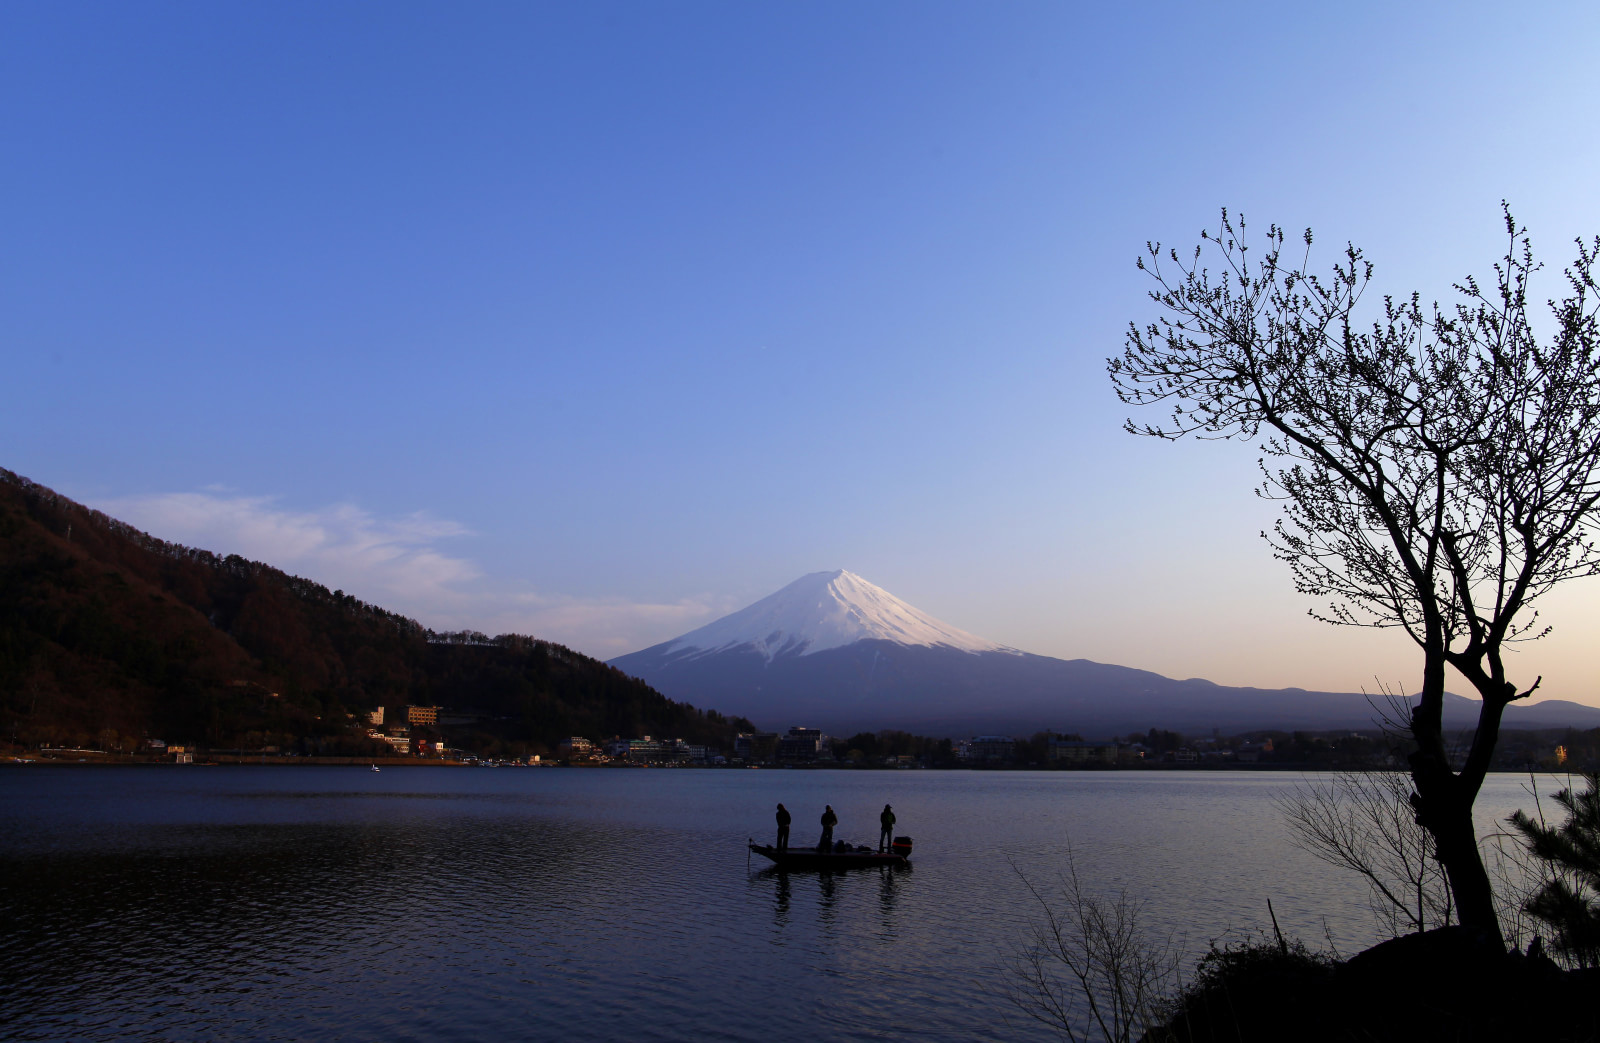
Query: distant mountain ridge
[{"x": 832, "y": 650}]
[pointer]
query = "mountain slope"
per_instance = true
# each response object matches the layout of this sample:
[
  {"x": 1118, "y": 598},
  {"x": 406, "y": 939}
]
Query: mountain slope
[
  {"x": 777, "y": 664},
  {"x": 104, "y": 629}
]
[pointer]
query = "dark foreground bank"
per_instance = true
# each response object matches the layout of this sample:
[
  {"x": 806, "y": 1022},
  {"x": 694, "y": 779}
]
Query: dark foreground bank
[{"x": 1444, "y": 985}]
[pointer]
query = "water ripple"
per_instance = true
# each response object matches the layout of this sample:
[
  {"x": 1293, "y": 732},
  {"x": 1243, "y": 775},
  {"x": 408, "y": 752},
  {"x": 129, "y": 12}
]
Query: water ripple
[{"x": 338, "y": 904}]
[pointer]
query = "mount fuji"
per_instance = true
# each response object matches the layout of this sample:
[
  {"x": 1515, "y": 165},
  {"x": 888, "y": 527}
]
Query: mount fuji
[
  {"x": 834, "y": 651},
  {"x": 819, "y": 612}
]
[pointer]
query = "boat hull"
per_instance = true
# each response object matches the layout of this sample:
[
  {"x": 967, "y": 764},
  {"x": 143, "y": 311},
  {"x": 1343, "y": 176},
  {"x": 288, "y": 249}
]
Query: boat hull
[{"x": 811, "y": 858}]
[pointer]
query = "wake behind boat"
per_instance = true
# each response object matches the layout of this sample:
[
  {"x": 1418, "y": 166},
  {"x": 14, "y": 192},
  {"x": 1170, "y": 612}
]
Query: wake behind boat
[{"x": 839, "y": 856}]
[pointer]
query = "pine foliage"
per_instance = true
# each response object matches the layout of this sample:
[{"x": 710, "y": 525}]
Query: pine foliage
[{"x": 1569, "y": 899}]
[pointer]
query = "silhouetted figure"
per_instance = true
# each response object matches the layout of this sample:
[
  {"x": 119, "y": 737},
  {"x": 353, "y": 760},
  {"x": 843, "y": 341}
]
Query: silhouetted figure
[
  {"x": 886, "y": 835},
  {"x": 783, "y": 828},
  {"x": 829, "y": 820}
]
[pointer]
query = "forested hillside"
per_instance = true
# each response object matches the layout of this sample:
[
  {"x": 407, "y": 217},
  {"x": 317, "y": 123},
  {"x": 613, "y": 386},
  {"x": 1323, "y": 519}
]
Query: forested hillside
[{"x": 109, "y": 636}]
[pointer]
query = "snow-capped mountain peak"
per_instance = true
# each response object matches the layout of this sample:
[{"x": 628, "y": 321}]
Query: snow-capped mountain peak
[{"x": 826, "y": 610}]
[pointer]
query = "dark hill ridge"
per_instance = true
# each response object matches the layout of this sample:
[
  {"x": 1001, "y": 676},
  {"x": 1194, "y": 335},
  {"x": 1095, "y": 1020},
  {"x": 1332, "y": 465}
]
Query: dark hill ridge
[{"x": 104, "y": 629}]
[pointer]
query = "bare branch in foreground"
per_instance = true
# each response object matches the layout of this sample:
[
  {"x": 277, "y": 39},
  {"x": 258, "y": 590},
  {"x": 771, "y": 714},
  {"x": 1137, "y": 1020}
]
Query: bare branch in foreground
[
  {"x": 1364, "y": 822},
  {"x": 1091, "y": 971}
]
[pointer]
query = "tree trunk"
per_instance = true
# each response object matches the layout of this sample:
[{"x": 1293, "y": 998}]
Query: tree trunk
[
  {"x": 1445, "y": 811},
  {"x": 1443, "y": 803},
  {"x": 1456, "y": 841}
]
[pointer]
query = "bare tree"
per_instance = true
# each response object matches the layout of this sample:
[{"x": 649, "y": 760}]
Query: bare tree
[
  {"x": 1091, "y": 970},
  {"x": 1364, "y": 822},
  {"x": 1437, "y": 469}
]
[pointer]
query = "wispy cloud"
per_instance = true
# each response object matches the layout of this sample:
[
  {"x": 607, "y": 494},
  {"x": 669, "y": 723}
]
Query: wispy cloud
[
  {"x": 341, "y": 545},
  {"x": 605, "y": 627},
  {"x": 402, "y": 564}
]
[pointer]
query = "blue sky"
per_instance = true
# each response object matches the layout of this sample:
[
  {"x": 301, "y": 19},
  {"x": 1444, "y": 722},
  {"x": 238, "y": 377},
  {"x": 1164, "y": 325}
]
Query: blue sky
[{"x": 598, "y": 320}]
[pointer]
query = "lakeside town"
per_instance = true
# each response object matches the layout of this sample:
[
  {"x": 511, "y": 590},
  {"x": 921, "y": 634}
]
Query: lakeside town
[{"x": 414, "y": 734}]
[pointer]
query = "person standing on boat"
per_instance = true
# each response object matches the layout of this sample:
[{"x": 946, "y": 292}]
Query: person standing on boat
[
  {"x": 829, "y": 820},
  {"x": 886, "y": 835},
  {"x": 783, "y": 828}
]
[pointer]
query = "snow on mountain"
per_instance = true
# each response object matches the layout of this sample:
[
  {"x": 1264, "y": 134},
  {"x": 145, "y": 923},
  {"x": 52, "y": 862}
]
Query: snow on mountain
[{"x": 825, "y": 610}]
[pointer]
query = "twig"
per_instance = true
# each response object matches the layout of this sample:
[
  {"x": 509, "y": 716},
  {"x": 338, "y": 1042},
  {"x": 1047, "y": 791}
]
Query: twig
[{"x": 1283, "y": 946}]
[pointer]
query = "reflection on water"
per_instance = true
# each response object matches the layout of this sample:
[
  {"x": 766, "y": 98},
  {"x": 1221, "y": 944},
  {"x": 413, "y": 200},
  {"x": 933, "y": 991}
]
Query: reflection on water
[
  {"x": 886, "y": 895},
  {"x": 277, "y": 903},
  {"x": 780, "y": 902}
]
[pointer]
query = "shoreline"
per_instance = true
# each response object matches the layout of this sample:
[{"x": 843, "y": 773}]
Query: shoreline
[{"x": 246, "y": 760}]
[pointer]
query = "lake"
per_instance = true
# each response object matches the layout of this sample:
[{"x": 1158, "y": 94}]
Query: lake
[{"x": 204, "y": 903}]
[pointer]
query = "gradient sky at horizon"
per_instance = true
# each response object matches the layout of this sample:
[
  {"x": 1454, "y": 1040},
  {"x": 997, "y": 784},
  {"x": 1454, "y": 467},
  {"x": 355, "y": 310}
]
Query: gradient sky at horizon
[{"x": 597, "y": 321}]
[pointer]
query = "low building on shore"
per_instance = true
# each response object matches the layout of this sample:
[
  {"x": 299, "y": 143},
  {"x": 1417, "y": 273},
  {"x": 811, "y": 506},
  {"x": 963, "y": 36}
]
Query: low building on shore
[
  {"x": 801, "y": 744},
  {"x": 990, "y": 749},
  {"x": 756, "y": 747},
  {"x": 426, "y": 715},
  {"x": 400, "y": 744},
  {"x": 1068, "y": 751},
  {"x": 576, "y": 748}
]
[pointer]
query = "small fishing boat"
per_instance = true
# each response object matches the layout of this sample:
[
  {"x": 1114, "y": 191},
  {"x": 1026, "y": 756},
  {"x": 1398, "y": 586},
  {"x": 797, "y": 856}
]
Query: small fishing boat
[
  {"x": 840, "y": 856},
  {"x": 376, "y": 768}
]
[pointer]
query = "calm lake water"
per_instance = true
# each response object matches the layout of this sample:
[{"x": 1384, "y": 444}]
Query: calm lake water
[{"x": 424, "y": 904}]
